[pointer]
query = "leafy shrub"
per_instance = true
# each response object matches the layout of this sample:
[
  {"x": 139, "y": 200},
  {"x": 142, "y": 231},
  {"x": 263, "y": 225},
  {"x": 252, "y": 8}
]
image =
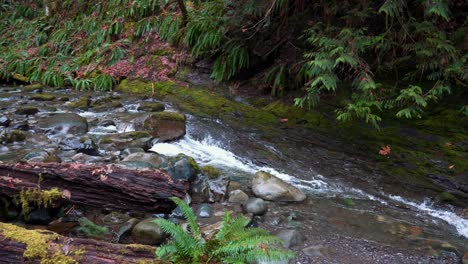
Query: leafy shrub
[{"x": 233, "y": 243}]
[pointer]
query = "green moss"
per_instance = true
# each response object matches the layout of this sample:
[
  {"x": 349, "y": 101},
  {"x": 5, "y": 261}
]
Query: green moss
[
  {"x": 26, "y": 110},
  {"x": 32, "y": 87},
  {"x": 106, "y": 140},
  {"x": 12, "y": 136},
  {"x": 174, "y": 116},
  {"x": 82, "y": 103},
  {"x": 40, "y": 198},
  {"x": 151, "y": 107},
  {"x": 90, "y": 229},
  {"x": 446, "y": 197},
  {"x": 43, "y": 97},
  {"x": 211, "y": 172},
  {"x": 37, "y": 244}
]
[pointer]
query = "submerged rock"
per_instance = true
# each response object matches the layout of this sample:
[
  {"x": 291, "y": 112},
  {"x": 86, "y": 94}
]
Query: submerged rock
[
  {"x": 148, "y": 232},
  {"x": 64, "y": 123},
  {"x": 291, "y": 237},
  {"x": 166, "y": 126},
  {"x": 204, "y": 211},
  {"x": 269, "y": 187}
]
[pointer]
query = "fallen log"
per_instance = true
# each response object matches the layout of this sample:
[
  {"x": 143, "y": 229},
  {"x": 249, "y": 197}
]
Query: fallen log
[
  {"x": 20, "y": 245},
  {"x": 97, "y": 186}
]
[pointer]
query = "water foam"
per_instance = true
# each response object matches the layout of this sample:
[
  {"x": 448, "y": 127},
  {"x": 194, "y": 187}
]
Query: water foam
[{"x": 426, "y": 207}]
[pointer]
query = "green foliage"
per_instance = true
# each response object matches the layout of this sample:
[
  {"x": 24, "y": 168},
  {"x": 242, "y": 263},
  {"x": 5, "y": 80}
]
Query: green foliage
[
  {"x": 356, "y": 58},
  {"x": 90, "y": 229},
  {"x": 233, "y": 243}
]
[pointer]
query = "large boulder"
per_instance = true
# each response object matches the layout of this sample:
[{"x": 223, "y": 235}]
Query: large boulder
[
  {"x": 64, "y": 123},
  {"x": 148, "y": 232},
  {"x": 269, "y": 187},
  {"x": 166, "y": 126}
]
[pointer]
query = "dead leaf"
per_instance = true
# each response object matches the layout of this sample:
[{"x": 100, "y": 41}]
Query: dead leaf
[
  {"x": 451, "y": 167},
  {"x": 104, "y": 177}
]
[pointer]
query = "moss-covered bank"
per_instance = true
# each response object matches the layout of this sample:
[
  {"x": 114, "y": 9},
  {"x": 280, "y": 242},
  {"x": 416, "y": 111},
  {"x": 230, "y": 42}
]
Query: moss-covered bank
[{"x": 428, "y": 154}]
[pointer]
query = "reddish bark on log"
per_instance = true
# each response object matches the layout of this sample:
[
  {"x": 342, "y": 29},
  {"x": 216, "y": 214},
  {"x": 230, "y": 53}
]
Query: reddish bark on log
[{"x": 98, "y": 186}]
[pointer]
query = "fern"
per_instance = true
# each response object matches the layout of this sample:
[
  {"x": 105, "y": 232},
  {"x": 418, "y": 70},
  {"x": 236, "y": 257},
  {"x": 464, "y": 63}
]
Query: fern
[{"x": 233, "y": 243}]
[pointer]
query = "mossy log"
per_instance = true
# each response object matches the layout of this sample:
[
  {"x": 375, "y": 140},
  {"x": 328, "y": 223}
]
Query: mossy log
[
  {"x": 97, "y": 186},
  {"x": 20, "y": 245}
]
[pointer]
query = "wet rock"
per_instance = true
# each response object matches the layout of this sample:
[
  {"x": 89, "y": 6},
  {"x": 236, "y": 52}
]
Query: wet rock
[
  {"x": 4, "y": 121},
  {"x": 41, "y": 156},
  {"x": 86, "y": 159},
  {"x": 134, "y": 139},
  {"x": 238, "y": 197},
  {"x": 26, "y": 110},
  {"x": 81, "y": 145},
  {"x": 64, "y": 123},
  {"x": 465, "y": 258},
  {"x": 269, "y": 187},
  {"x": 152, "y": 158},
  {"x": 82, "y": 103},
  {"x": 166, "y": 126},
  {"x": 151, "y": 107},
  {"x": 181, "y": 167},
  {"x": 291, "y": 237},
  {"x": 148, "y": 232},
  {"x": 36, "y": 87},
  {"x": 255, "y": 206},
  {"x": 22, "y": 125},
  {"x": 125, "y": 152},
  {"x": 200, "y": 189},
  {"x": 233, "y": 185},
  {"x": 43, "y": 97},
  {"x": 106, "y": 102},
  {"x": 128, "y": 226},
  {"x": 115, "y": 218},
  {"x": 39, "y": 217},
  {"x": 10, "y": 136},
  {"x": 204, "y": 210},
  {"x": 137, "y": 165},
  {"x": 446, "y": 197},
  {"x": 106, "y": 123},
  {"x": 108, "y": 106}
]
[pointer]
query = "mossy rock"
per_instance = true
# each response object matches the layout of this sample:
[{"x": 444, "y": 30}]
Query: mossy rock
[
  {"x": 12, "y": 136},
  {"x": 125, "y": 140},
  {"x": 211, "y": 171},
  {"x": 82, "y": 103},
  {"x": 26, "y": 110},
  {"x": 151, "y": 107},
  {"x": 32, "y": 87},
  {"x": 43, "y": 97},
  {"x": 166, "y": 126}
]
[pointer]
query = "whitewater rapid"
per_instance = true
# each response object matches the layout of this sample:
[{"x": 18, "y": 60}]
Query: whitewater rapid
[{"x": 211, "y": 152}]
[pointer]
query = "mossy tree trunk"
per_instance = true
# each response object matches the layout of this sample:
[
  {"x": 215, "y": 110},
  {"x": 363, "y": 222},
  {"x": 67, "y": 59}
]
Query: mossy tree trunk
[{"x": 20, "y": 245}]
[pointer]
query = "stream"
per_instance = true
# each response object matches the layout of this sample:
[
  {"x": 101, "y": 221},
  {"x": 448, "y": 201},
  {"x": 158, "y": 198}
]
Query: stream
[{"x": 347, "y": 217}]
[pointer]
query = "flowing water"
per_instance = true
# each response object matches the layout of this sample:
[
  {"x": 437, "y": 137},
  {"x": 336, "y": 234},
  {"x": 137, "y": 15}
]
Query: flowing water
[{"x": 352, "y": 206}]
